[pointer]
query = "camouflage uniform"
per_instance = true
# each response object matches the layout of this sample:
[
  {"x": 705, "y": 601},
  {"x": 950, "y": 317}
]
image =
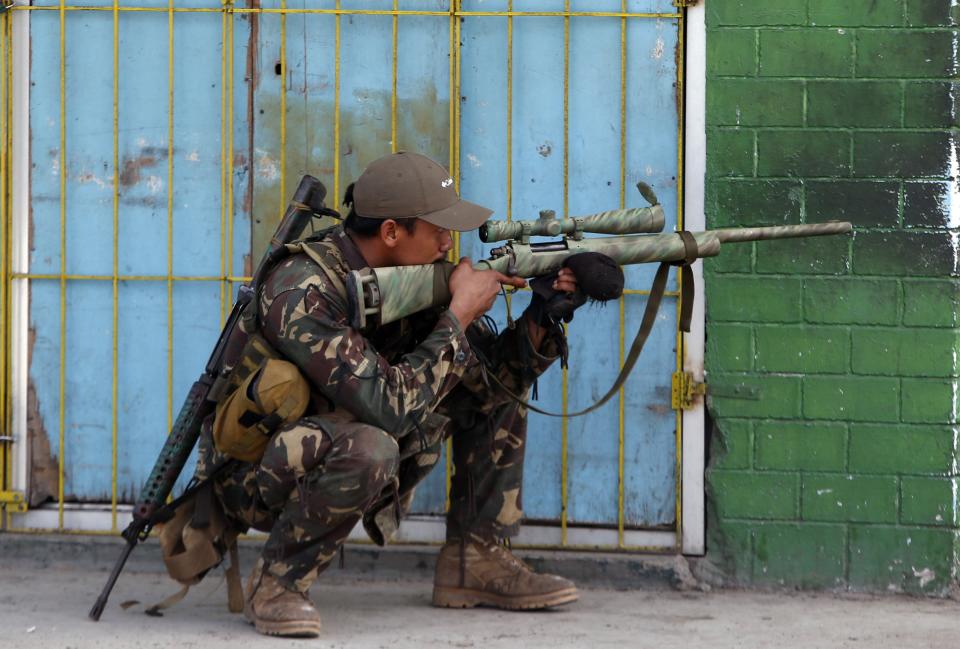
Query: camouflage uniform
[{"x": 381, "y": 406}]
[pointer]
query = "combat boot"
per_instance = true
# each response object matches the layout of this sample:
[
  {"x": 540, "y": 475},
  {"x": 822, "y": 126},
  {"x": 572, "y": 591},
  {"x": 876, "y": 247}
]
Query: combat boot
[
  {"x": 486, "y": 574},
  {"x": 275, "y": 610}
]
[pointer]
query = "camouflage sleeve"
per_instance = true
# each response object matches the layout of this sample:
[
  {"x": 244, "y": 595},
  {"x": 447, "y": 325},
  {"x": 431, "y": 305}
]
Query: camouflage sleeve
[
  {"x": 312, "y": 331},
  {"x": 510, "y": 357}
]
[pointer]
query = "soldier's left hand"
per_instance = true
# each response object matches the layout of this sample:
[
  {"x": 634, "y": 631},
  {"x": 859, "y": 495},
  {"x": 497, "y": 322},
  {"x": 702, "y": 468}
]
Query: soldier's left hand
[{"x": 566, "y": 281}]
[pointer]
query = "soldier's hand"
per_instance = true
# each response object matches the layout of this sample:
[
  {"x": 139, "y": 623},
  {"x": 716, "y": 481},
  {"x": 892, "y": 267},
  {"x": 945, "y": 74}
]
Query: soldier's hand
[
  {"x": 585, "y": 275},
  {"x": 474, "y": 291}
]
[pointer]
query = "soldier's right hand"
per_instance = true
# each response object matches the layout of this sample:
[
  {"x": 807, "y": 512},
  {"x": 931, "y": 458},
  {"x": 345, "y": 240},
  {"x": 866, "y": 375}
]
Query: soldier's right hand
[{"x": 474, "y": 291}]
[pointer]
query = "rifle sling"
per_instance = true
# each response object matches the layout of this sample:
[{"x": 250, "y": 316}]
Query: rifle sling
[{"x": 646, "y": 325}]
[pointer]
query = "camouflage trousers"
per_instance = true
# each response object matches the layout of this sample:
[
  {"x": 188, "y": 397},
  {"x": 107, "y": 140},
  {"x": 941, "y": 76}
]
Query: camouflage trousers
[{"x": 318, "y": 477}]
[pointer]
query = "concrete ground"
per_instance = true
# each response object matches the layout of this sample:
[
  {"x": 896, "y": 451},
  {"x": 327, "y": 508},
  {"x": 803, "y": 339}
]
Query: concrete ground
[{"x": 45, "y": 606}]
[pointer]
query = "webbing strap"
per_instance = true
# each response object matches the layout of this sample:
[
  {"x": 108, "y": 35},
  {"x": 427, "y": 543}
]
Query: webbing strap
[
  {"x": 646, "y": 325},
  {"x": 167, "y": 602},
  {"x": 690, "y": 253},
  {"x": 338, "y": 285},
  {"x": 234, "y": 588}
]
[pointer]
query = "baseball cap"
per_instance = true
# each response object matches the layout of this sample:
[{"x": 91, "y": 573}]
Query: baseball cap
[{"x": 409, "y": 185}]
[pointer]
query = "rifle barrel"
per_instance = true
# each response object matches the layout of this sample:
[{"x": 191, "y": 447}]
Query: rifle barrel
[{"x": 737, "y": 235}]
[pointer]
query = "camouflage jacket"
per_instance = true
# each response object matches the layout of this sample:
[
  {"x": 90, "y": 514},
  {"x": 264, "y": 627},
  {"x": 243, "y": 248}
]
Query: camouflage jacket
[
  {"x": 411, "y": 376},
  {"x": 396, "y": 376}
]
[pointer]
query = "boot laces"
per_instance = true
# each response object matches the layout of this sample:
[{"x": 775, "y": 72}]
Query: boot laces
[{"x": 506, "y": 556}]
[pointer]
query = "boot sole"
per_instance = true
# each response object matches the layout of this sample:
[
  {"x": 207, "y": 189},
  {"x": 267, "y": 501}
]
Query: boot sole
[
  {"x": 288, "y": 629},
  {"x": 446, "y": 597},
  {"x": 300, "y": 629}
]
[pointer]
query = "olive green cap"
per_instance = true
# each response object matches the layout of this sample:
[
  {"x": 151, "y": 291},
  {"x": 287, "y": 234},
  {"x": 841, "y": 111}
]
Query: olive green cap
[{"x": 406, "y": 185}]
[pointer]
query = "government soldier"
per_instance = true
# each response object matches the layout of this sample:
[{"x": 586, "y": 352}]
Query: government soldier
[{"x": 379, "y": 403}]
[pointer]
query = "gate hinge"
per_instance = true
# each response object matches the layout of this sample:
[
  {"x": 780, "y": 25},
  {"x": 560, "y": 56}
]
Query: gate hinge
[
  {"x": 13, "y": 501},
  {"x": 685, "y": 390}
]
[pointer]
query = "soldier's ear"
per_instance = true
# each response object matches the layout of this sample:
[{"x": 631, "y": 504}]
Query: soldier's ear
[{"x": 388, "y": 233}]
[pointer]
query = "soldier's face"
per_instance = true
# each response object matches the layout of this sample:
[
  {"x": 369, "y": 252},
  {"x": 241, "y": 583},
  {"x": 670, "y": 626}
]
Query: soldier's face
[{"x": 426, "y": 244}]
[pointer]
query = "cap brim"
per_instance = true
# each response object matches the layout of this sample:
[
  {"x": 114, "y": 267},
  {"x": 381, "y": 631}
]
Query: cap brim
[{"x": 461, "y": 216}]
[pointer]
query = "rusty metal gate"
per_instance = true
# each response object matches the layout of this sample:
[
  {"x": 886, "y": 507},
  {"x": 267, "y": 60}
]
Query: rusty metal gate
[{"x": 149, "y": 149}]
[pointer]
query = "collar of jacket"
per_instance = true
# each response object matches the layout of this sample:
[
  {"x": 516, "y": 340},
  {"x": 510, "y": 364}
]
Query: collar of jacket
[{"x": 351, "y": 253}]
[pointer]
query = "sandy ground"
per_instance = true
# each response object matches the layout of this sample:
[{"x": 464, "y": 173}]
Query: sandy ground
[{"x": 48, "y": 608}]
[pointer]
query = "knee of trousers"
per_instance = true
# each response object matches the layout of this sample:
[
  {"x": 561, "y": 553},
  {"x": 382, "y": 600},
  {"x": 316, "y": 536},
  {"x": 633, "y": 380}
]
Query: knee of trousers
[{"x": 362, "y": 461}]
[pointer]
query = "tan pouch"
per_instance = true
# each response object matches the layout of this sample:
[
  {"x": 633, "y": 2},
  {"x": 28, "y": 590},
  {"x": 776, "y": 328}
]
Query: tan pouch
[
  {"x": 194, "y": 541},
  {"x": 273, "y": 395}
]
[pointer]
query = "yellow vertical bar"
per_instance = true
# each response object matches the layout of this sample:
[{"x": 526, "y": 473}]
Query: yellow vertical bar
[
  {"x": 509, "y": 182},
  {"x": 451, "y": 155},
  {"x": 455, "y": 167},
  {"x": 566, "y": 211},
  {"x": 116, "y": 262},
  {"x": 224, "y": 164},
  {"x": 63, "y": 258},
  {"x": 230, "y": 174},
  {"x": 283, "y": 110},
  {"x": 623, "y": 185},
  {"x": 509, "y": 110},
  {"x": 393, "y": 95},
  {"x": 170, "y": 215},
  {"x": 681, "y": 26},
  {"x": 336, "y": 105}
]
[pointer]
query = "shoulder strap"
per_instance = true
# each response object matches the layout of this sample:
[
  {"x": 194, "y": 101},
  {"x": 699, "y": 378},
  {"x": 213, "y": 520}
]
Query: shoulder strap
[
  {"x": 321, "y": 258},
  {"x": 646, "y": 325}
]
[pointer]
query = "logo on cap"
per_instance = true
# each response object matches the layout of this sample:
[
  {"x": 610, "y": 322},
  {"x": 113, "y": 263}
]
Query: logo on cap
[{"x": 447, "y": 182}]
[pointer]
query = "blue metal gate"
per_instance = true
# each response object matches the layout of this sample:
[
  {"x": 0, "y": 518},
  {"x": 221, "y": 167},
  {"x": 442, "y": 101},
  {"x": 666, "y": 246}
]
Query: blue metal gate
[{"x": 165, "y": 138}]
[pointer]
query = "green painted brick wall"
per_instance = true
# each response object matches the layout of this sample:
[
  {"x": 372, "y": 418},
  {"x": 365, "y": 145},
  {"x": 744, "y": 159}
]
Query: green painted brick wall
[{"x": 836, "y": 463}]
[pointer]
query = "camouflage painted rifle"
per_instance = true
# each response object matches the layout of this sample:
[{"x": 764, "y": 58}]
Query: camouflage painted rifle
[
  {"x": 151, "y": 505},
  {"x": 383, "y": 295}
]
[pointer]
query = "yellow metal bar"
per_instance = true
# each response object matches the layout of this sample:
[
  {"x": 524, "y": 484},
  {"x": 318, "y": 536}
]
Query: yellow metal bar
[
  {"x": 371, "y": 12},
  {"x": 510, "y": 112},
  {"x": 170, "y": 216},
  {"x": 209, "y": 278},
  {"x": 63, "y": 259},
  {"x": 454, "y": 255},
  {"x": 115, "y": 323},
  {"x": 224, "y": 164},
  {"x": 681, "y": 63},
  {"x": 283, "y": 112},
  {"x": 455, "y": 166},
  {"x": 564, "y": 468},
  {"x": 393, "y": 93},
  {"x": 336, "y": 106},
  {"x": 509, "y": 129},
  {"x": 623, "y": 197},
  {"x": 131, "y": 278},
  {"x": 230, "y": 177}
]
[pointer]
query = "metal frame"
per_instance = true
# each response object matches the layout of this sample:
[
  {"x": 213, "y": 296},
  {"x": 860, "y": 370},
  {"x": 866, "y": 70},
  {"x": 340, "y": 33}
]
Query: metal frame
[{"x": 16, "y": 276}]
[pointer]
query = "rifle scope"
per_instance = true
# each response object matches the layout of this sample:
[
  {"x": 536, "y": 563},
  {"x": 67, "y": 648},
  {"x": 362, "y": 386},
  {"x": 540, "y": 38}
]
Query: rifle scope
[{"x": 630, "y": 221}]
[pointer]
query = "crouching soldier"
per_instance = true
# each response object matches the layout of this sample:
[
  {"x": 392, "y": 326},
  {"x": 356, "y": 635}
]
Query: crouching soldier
[{"x": 358, "y": 418}]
